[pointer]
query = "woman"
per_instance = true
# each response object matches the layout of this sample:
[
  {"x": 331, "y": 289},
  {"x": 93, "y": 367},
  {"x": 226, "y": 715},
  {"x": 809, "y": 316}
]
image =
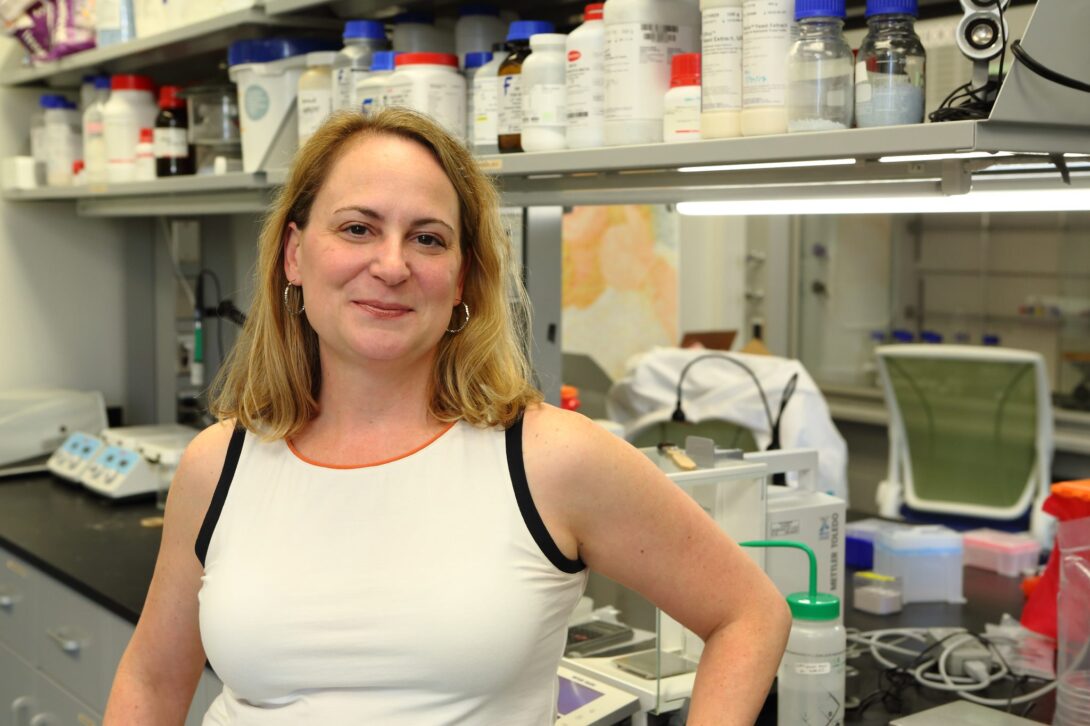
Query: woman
[{"x": 390, "y": 527}]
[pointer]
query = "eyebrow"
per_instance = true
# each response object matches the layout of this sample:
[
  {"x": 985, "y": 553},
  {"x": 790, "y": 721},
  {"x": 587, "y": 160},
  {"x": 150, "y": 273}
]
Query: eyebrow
[{"x": 368, "y": 212}]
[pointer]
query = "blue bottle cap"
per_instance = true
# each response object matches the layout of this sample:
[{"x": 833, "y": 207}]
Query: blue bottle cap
[
  {"x": 370, "y": 29},
  {"x": 903, "y": 336},
  {"x": 415, "y": 17},
  {"x": 383, "y": 60},
  {"x": 267, "y": 50},
  {"x": 930, "y": 336},
  {"x": 893, "y": 7},
  {"x": 990, "y": 340},
  {"x": 878, "y": 336},
  {"x": 523, "y": 29},
  {"x": 478, "y": 9},
  {"x": 51, "y": 100},
  {"x": 476, "y": 59},
  {"x": 820, "y": 9},
  {"x": 102, "y": 83}
]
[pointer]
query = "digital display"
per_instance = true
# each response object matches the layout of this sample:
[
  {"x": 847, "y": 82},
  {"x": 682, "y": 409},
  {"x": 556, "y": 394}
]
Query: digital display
[{"x": 573, "y": 695}]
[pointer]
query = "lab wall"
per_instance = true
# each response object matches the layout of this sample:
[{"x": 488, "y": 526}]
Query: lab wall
[{"x": 63, "y": 281}]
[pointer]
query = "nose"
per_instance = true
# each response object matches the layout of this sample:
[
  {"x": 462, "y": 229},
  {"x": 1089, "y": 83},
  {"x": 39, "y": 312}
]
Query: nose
[{"x": 389, "y": 263}]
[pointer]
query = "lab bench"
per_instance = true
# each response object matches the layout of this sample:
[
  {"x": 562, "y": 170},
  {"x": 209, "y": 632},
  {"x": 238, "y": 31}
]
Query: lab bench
[
  {"x": 74, "y": 572},
  {"x": 75, "y": 568}
]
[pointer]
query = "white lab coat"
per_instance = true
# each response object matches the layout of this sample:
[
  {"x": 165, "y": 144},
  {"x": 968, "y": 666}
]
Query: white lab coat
[{"x": 717, "y": 389}]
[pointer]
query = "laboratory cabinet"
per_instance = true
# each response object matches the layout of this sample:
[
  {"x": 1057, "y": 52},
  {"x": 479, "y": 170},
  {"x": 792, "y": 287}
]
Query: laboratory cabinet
[{"x": 59, "y": 652}]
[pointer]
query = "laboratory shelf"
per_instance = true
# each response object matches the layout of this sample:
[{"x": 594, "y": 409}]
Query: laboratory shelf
[
  {"x": 759, "y": 167},
  {"x": 165, "y": 49},
  {"x": 186, "y": 195}
]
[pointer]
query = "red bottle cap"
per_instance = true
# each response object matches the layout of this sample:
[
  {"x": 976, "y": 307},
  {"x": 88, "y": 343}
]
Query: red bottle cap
[
  {"x": 147, "y": 136},
  {"x": 593, "y": 11},
  {"x": 129, "y": 82},
  {"x": 685, "y": 70},
  {"x": 168, "y": 97},
  {"x": 432, "y": 59},
  {"x": 77, "y": 166}
]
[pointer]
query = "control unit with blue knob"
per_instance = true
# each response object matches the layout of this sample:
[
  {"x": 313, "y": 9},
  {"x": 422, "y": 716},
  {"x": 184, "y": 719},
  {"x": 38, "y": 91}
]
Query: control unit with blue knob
[
  {"x": 74, "y": 456},
  {"x": 120, "y": 472}
]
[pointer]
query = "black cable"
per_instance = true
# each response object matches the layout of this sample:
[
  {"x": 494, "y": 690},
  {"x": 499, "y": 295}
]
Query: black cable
[
  {"x": 978, "y": 107},
  {"x": 1045, "y": 72},
  {"x": 679, "y": 415}
]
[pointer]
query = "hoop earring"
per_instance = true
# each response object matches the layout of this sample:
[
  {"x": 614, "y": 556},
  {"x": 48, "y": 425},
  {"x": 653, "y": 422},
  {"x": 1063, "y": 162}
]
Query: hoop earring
[
  {"x": 287, "y": 302},
  {"x": 460, "y": 328}
]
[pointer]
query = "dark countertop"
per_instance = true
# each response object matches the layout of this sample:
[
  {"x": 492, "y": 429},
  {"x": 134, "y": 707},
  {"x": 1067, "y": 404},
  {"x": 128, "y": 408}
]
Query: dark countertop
[{"x": 92, "y": 544}]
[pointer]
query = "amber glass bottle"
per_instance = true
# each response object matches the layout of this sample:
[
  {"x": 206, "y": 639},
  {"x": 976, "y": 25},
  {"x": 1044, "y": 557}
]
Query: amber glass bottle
[{"x": 510, "y": 80}]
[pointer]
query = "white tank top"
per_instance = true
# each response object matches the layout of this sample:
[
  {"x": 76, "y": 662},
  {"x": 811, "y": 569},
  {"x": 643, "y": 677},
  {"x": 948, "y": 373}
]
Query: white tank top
[{"x": 421, "y": 590}]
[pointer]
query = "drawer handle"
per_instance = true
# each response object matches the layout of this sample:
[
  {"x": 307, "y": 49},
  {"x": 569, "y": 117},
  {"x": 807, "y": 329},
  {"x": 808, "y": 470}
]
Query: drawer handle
[
  {"x": 66, "y": 642},
  {"x": 7, "y": 597}
]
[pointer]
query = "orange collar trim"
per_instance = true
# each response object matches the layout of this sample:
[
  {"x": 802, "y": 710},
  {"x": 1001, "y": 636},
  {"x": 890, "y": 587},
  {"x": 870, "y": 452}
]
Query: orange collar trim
[{"x": 407, "y": 454}]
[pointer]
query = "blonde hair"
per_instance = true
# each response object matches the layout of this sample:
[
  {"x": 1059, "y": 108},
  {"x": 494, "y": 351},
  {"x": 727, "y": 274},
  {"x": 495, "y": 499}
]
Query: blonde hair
[{"x": 271, "y": 380}]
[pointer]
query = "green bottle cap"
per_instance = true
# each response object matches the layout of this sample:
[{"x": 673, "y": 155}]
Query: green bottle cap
[{"x": 821, "y": 606}]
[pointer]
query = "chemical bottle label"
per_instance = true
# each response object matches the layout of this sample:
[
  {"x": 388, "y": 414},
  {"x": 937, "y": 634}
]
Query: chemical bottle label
[
  {"x": 721, "y": 59},
  {"x": 485, "y": 110},
  {"x": 314, "y": 108},
  {"x": 509, "y": 93},
  {"x": 637, "y": 63},
  {"x": 344, "y": 81},
  {"x": 681, "y": 122},
  {"x": 586, "y": 87},
  {"x": 543, "y": 105},
  {"x": 170, "y": 144},
  {"x": 813, "y": 669},
  {"x": 768, "y": 28}
]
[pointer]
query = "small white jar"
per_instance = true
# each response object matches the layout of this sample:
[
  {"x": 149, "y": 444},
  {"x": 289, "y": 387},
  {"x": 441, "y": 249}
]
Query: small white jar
[
  {"x": 544, "y": 112},
  {"x": 371, "y": 89},
  {"x": 486, "y": 105},
  {"x": 315, "y": 97},
  {"x": 585, "y": 81},
  {"x": 131, "y": 107},
  {"x": 681, "y": 104},
  {"x": 431, "y": 84},
  {"x": 62, "y": 141}
]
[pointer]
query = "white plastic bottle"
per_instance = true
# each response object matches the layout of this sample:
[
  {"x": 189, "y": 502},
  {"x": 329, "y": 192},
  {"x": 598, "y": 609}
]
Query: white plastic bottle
[
  {"x": 416, "y": 32},
  {"x": 478, "y": 29},
  {"x": 642, "y": 36},
  {"x": 681, "y": 106},
  {"x": 767, "y": 34},
  {"x": 431, "y": 84},
  {"x": 585, "y": 81},
  {"x": 62, "y": 141},
  {"x": 811, "y": 676},
  {"x": 144, "y": 169},
  {"x": 131, "y": 107},
  {"x": 721, "y": 68},
  {"x": 94, "y": 134},
  {"x": 543, "y": 105},
  {"x": 353, "y": 62},
  {"x": 486, "y": 109},
  {"x": 315, "y": 93},
  {"x": 371, "y": 91},
  {"x": 474, "y": 62}
]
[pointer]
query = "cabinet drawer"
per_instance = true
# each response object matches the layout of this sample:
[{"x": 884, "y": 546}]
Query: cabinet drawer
[
  {"x": 17, "y": 702},
  {"x": 18, "y": 595},
  {"x": 57, "y": 707},
  {"x": 70, "y": 642}
]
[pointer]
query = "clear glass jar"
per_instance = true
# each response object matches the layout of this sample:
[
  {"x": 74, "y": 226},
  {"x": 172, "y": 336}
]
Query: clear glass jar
[
  {"x": 819, "y": 69},
  {"x": 890, "y": 68}
]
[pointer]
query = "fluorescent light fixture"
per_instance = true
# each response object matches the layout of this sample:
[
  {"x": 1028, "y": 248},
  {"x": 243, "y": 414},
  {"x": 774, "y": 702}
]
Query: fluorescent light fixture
[
  {"x": 1051, "y": 200},
  {"x": 942, "y": 157},
  {"x": 770, "y": 165}
]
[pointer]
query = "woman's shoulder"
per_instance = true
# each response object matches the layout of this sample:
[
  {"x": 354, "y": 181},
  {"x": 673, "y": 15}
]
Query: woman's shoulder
[
  {"x": 203, "y": 460},
  {"x": 564, "y": 441}
]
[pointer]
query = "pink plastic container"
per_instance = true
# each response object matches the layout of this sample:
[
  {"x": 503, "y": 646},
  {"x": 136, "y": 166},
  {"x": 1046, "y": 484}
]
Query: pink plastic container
[{"x": 1007, "y": 553}]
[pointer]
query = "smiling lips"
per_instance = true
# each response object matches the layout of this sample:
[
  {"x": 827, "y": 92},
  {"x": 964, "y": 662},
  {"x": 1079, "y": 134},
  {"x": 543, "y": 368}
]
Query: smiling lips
[{"x": 380, "y": 309}]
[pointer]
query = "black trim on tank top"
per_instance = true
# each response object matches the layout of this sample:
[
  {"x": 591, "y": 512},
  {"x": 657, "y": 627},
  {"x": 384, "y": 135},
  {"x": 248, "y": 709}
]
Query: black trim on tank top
[
  {"x": 530, "y": 515},
  {"x": 212, "y": 516}
]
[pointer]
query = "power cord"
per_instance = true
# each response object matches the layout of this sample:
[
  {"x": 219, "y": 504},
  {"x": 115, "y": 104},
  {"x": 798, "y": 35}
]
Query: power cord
[{"x": 1045, "y": 72}]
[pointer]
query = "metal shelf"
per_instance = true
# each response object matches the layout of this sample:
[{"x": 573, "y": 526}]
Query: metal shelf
[
  {"x": 650, "y": 173},
  {"x": 210, "y": 36}
]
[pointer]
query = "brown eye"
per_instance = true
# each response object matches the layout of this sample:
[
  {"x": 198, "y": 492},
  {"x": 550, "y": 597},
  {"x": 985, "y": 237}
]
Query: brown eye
[{"x": 356, "y": 230}]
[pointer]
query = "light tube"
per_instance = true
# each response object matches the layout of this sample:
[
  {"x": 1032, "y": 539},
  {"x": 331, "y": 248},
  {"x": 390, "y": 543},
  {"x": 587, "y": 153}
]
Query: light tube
[{"x": 770, "y": 165}]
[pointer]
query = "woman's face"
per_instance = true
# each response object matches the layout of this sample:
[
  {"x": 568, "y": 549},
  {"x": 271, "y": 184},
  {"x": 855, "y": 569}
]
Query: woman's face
[{"x": 380, "y": 260}]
